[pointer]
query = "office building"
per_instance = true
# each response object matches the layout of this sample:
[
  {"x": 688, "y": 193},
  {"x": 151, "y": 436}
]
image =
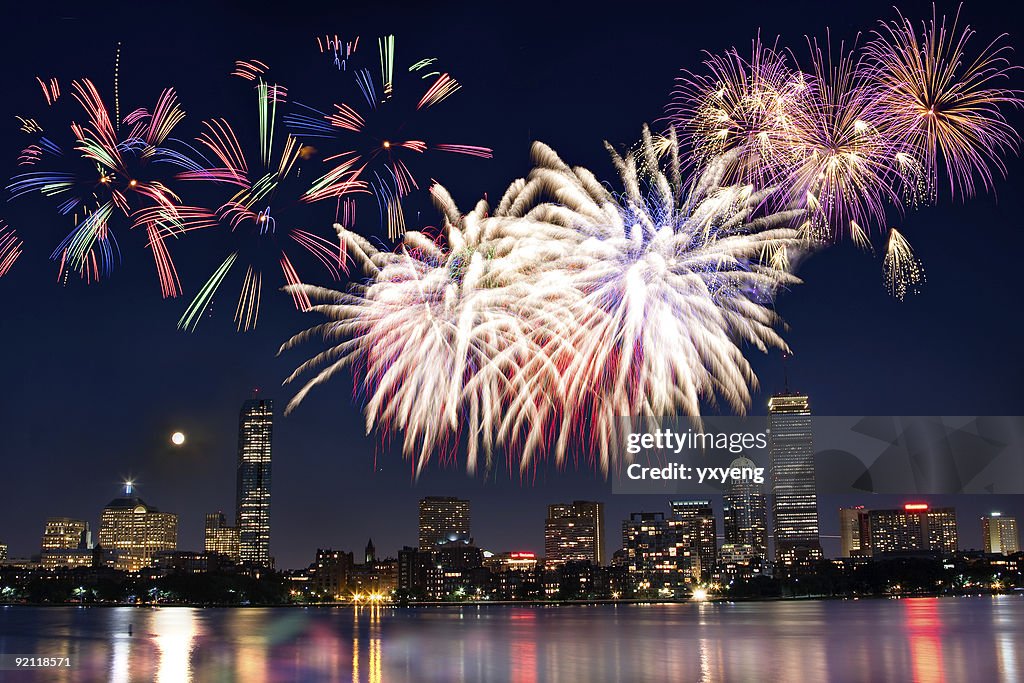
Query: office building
[
  {"x": 221, "y": 538},
  {"x": 999, "y": 533},
  {"x": 914, "y": 528},
  {"x": 3, "y": 552},
  {"x": 443, "y": 520},
  {"x": 64, "y": 533},
  {"x": 699, "y": 525},
  {"x": 794, "y": 492},
  {"x": 745, "y": 511},
  {"x": 136, "y": 531},
  {"x": 574, "y": 531},
  {"x": 255, "y": 434},
  {"x": 853, "y": 531}
]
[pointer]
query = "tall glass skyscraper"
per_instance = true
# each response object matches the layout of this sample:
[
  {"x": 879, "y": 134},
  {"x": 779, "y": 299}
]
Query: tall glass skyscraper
[
  {"x": 794, "y": 491},
  {"x": 575, "y": 531},
  {"x": 255, "y": 432}
]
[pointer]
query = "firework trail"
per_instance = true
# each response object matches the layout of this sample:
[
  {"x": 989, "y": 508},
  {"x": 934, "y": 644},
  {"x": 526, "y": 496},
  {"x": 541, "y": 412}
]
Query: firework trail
[
  {"x": 266, "y": 185},
  {"x": 374, "y": 135},
  {"x": 10, "y": 248},
  {"x": 126, "y": 177},
  {"x": 567, "y": 301},
  {"x": 904, "y": 273}
]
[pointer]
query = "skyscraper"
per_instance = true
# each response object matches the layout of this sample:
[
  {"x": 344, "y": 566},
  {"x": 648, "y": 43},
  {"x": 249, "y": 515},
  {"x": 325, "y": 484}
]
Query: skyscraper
[
  {"x": 1000, "y": 534},
  {"x": 698, "y": 520},
  {"x": 443, "y": 520},
  {"x": 794, "y": 492},
  {"x": 746, "y": 513},
  {"x": 914, "y": 528},
  {"x": 255, "y": 433},
  {"x": 221, "y": 538},
  {"x": 853, "y": 531},
  {"x": 136, "y": 531},
  {"x": 575, "y": 531}
]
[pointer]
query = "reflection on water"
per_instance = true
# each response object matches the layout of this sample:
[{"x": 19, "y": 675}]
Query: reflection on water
[{"x": 920, "y": 640}]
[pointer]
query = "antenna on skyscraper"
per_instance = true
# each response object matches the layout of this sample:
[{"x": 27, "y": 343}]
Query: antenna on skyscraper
[{"x": 786, "y": 355}]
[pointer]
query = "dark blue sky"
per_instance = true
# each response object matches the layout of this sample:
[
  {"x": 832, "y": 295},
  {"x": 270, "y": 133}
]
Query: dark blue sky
[{"x": 96, "y": 378}]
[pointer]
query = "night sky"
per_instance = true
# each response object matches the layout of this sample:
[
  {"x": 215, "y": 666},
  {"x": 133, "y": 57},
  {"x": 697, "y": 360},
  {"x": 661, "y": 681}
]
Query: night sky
[{"x": 96, "y": 378}]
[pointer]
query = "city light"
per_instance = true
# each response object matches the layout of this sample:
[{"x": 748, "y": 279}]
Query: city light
[
  {"x": 700, "y": 595},
  {"x": 914, "y": 507}
]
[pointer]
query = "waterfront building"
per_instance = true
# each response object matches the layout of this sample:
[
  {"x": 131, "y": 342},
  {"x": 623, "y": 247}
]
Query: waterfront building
[
  {"x": 794, "y": 492},
  {"x": 443, "y": 520},
  {"x": 699, "y": 524},
  {"x": 331, "y": 574},
  {"x": 659, "y": 556},
  {"x": 574, "y": 531},
  {"x": 221, "y": 538},
  {"x": 999, "y": 533},
  {"x": 914, "y": 528},
  {"x": 135, "y": 530},
  {"x": 255, "y": 436}
]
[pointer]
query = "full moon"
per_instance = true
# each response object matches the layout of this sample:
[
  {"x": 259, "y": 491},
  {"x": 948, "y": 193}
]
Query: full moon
[{"x": 177, "y": 438}]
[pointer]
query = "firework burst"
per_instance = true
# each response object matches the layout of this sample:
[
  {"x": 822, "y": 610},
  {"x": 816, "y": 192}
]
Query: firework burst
[
  {"x": 943, "y": 103},
  {"x": 567, "y": 303},
  {"x": 374, "y": 133},
  {"x": 265, "y": 181},
  {"x": 110, "y": 171}
]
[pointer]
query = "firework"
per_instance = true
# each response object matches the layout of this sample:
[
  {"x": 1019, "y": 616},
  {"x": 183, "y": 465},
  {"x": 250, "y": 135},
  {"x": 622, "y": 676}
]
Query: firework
[
  {"x": 904, "y": 273},
  {"x": 567, "y": 302},
  {"x": 748, "y": 106},
  {"x": 943, "y": 103},
  {"x": 265, "y": 182},
  {"x": 107, "y": 173},
  {"x": 374, "y": 134},
  {"x": 10, "y": 248}
]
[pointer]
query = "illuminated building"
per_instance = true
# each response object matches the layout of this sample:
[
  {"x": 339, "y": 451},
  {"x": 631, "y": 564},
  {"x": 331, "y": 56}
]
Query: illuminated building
[
  {"x": 64, "y": 533},
  {"x": 3, "y": 552},
  {"x": 221, "y": 538},
  {"x": 1000, "y": 534},
  {"x": 853, "y": 531},
  {"x": 443, "y": 520},
  {"x": 455, "y": 571},
  {"x": 914, "y": 528},
  {"x": 332, "y": 569},
  {"x": 574, "y": 531},
  {"x": 794, "y": 493},
  {"x": 370, "y": 555},
  {"x": 511, "y": 562},
  {"x": 699, "y": 524},
  {"x": 657, "y": 552},
  {"x": 746, "y": 513},
  {"x": 255, "y": 434},
  {"x": 135, "y": 531},
  {"x": 740, "y": 561}
]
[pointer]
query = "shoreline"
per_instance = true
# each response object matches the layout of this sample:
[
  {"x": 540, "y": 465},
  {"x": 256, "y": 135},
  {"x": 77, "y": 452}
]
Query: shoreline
[{"x": 521, "y": 603}]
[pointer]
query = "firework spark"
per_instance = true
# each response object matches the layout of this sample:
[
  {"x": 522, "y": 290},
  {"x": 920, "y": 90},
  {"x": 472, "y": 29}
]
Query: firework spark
[
  {"x": 904, "y": 273},
  {"x": 10, "y": 248}
]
